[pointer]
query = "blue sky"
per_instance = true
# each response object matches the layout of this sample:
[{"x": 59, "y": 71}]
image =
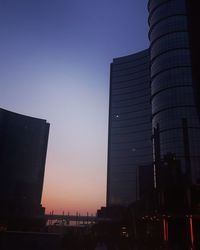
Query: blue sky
[{"x": 54, "y": 64}]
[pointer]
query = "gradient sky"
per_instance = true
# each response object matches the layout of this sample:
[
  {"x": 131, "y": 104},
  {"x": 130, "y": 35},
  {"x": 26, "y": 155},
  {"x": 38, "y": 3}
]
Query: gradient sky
[{"x": 54, "y": 64}]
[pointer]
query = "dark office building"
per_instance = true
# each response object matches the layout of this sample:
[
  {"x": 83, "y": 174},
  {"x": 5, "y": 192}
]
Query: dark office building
[
  {"x": 23, "y": 146},
  {"x": 129, "y": 144},
  {"x": 175, "y": 84}
]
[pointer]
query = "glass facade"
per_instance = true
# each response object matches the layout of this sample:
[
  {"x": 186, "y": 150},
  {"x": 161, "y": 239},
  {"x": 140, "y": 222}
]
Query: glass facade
[
  {"x": 174, "y": 110},
  {"x": 129, "y": 144}
]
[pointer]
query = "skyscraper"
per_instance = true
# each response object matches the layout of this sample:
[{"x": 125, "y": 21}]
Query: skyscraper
[
  {"x": 129, "y": 127},
  {"x": 23, "y": 146},
  {"x": 172, "y": 69},
  {"x": 174, "y": 90},
  {"x": 170, "y": 200}
]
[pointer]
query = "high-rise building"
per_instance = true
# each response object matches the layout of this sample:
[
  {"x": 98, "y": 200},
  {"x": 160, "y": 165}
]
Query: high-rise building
[
  {"x": 174, "y": 85},
  {"x": 23, "y": 147},
  {"x": 170, "y": 190},
  {"x": 129, "y": 143},
  {"x": 171, "y": 67}
]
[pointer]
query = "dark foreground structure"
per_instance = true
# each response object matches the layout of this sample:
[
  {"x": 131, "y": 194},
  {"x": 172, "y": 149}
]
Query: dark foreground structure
[
  {"x": 17, "y": 240},
  {"x": 23, "y": 146},
  {"x": 166, "y": 210}
]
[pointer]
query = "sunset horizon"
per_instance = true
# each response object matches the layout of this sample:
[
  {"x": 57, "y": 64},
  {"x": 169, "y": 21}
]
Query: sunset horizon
[{"x": 55, "y": 65}]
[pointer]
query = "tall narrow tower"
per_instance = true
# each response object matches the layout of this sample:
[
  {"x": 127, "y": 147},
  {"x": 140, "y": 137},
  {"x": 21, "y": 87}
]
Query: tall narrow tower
[{"x": 129, "y": 143}]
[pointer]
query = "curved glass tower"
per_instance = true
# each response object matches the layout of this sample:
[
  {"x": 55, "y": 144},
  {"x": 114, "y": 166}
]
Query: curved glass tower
[
  {"x": 129, "y": 143},
  {"x": 174, "y": 115}
]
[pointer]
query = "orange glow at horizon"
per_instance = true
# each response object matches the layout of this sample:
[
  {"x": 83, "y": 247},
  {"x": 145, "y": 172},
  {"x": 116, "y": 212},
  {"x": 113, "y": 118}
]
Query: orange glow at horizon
[
  {"x": 69, "y": 199},
  {"x": 55, "y": 60},
  {"x": 73, "y": 179}
]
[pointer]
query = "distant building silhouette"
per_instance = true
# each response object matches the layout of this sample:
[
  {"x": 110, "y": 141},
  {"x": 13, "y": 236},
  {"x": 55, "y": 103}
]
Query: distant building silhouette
[
  {"x": 129, "y": 143},
  {"x": 23, "y": 146}
]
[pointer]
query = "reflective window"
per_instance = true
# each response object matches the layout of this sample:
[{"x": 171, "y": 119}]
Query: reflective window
[
  {"x": 130, "y": 122},
  {"x": 171, "y": 78},
  {"x": 134, "y": 129},
  {"x": 139, "y": 87},
  {"x": 132, "y": 108},
  {"x": 137, "y": 134},
  {"x": 133, "y": 81},
  {"x": 138, "y": 90},
  {"x": 130, "y": 70},
  {"x": 171, "y": 41},
  {"x": 175, "y": 58},
  {"x": 155, "y": 3},
  {"x": 180, "y": 96},
  {"x": 129, "y": 102},
  {"x": 168, "y": 9},
  {"x": 136, "y": 75},
  {"x": 172, "y": 118},
  {"x": 132, "y": 64},
  {"x": 131, "y": 96},
  {"x": 168, "y": 25}
]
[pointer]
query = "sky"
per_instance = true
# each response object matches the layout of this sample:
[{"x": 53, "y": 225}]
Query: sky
[{"x": 55, "y": 60}]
